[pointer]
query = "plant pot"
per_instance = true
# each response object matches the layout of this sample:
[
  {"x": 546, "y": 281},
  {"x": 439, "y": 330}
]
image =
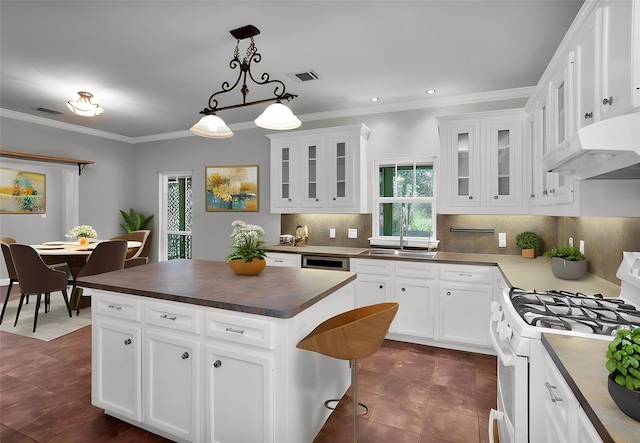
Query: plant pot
[
  {"x": 241, "y": 267},
  {"x": 628, "y": 401},
  {"x": 529, "y": 253},
  {"x": 568, "y": 270}
]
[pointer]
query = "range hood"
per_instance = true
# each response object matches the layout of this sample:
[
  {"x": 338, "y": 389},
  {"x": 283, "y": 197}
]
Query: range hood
[{"x": 608, "y": 149}]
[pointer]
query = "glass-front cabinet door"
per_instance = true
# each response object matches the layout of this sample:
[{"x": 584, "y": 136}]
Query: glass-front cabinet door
[
  {"x": 340, "y": 168},
  {"x": 464, "y": 155},
  {"x": 313, "y": 153},
  {"x": 504, "y": 149},
  {"x": 284, "y": 171}
]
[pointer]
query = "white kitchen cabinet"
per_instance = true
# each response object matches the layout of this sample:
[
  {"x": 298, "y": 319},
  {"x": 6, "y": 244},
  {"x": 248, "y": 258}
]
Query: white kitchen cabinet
[
  {"x": 238, "y": 395},
  {"x": 284, "y": 259},
  {"x": 466, "y": 293},
  {"x": 555, "y": 414},
  {"x": 172, "y": 384},
  {"x": 482, "y": 157},
  {"x": 415, "y": 315},
  {"x": 319, "y": 170}
]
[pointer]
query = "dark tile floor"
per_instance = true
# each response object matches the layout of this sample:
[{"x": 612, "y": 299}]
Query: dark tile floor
[{"x": 414, "y": 393}]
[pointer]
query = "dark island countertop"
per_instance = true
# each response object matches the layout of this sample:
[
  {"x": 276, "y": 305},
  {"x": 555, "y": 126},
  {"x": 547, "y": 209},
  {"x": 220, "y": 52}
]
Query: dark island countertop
[{"x": 276, "y": 292}]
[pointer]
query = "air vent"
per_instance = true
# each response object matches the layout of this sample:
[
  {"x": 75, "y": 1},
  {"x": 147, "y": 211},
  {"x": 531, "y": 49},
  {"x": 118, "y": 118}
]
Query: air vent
[
  {"x": 48, "y": 111},
  {"x": 305, "y": 76}
]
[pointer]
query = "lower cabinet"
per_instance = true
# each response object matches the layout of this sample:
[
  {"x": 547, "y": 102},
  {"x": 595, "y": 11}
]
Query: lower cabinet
[
  {"x": 447, "y": 305},
  {"x": 238, "y": 395},
  {"x": 195, "y": 374},
  {"x": 554, "y": 411}
]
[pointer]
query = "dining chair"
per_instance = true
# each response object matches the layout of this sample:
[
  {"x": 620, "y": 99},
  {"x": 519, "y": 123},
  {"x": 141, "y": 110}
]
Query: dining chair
[
  {"x": 352, "y": 335},
  {"x": 139, "y": 256},
  {"x": 11, "y": 270},
  {"x": 36, "y": 278},
  {"x": 106, "y": 257}
]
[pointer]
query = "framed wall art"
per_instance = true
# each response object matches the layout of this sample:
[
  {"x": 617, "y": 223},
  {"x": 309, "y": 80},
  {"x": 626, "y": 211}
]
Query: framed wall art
[
  {"x": 231, "y": 188},
  {"x": 22, "y": 192}
]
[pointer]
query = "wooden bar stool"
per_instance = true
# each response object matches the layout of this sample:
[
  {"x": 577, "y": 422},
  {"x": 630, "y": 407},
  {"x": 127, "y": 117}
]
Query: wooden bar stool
[{"x": 352, "y": 335}]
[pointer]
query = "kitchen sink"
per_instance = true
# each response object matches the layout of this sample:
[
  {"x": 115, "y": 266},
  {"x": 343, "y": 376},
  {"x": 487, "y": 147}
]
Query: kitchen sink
[{"x": 425, "y": 255}]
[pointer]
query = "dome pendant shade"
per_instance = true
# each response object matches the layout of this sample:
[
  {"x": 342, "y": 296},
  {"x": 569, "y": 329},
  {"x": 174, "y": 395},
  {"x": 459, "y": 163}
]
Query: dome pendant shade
[
  {"x": 212, "y": 126},
  {"x": 278, "y": 117},
  {"x": 83, "y": 105}
]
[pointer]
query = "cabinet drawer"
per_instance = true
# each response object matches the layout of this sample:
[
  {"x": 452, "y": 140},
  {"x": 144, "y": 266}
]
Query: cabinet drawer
[
  {"x": 372, "y": 266},
  {"x": 237, "y": 329},
  {"x": 117, "y": 306},
  {"x": 467, "y": 274},
  {"x": 172, "y": 316},
  {"x": 416, "y": 269},
  {"x": 284, "y": 260}
]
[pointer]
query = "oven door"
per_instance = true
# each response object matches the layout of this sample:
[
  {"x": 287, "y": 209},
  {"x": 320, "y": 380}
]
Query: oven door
[{"x": 511, "y": 418}]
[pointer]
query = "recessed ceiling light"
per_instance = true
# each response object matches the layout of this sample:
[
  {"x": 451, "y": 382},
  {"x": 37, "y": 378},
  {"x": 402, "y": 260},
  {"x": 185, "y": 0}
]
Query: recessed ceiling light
[
  {"x": 430, "y": 91},
  {"x": 374, "y": 99}
]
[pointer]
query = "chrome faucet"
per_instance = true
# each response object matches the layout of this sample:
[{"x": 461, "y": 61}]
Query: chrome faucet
[{"x": 403, "y": 215}]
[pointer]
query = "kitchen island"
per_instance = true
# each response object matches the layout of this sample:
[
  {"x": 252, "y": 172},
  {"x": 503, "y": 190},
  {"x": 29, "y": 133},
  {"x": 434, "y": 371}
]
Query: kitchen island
[{"x": 188, "y": 350}]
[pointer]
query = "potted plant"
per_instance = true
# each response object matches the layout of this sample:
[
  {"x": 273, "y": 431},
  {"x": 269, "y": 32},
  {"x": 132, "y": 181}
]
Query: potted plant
[
  {"x": 248, "y": 257},
  {"x": 529, "y": 242},
  {"x": 623, "y": 364},
  {"x": 134, "y": 220},
  {"x": 567, "y": 262}
]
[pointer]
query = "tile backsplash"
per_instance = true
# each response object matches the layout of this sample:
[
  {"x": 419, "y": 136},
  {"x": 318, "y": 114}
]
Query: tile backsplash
[{"x": 319, "y": 225}]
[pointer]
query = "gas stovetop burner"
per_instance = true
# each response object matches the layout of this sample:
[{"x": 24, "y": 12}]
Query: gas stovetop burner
[{"x": 562, "y": 310}]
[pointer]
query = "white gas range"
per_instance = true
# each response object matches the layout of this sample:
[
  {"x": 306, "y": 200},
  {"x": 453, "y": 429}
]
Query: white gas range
[{"x": 521, "y": 316}]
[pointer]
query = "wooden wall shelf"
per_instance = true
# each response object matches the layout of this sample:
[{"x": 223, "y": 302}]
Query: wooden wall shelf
[{"x": 46, "y": 158}]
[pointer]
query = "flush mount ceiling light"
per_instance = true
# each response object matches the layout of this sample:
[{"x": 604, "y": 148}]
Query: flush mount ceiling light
[
  {"x": 277, "y": 116},
  {"x": 83, "y": 105}
]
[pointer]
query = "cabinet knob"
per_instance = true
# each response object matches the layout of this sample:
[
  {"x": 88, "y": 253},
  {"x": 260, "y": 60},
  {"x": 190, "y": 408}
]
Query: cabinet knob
[
  {"x": 381, "y": 286},
  {"x": 495, "y": 197},
  {"x": 471, "y": 197},
  {"x": 127, "y": 341},
  {"x": 552, "y": 191},
  {"x": 289, "y": 199},
  {"x": 334, "y": 198},
  {"x": 217, "y": 364},
  {"x": 607, "y": 101},
  {"x": 185, "y": 356},
  {"x": 448, "y": 293},
  {"x": 588, "y": 115},
  {"x": 317, "y": 199},
  {"x": 545, "y": 192},
  {"x": 532, "y": 195},
  {"x": 404, "y": 289}
]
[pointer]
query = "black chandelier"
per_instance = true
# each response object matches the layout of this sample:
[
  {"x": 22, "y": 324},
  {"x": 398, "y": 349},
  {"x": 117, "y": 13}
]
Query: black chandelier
[{"x": 276, "y": 116}]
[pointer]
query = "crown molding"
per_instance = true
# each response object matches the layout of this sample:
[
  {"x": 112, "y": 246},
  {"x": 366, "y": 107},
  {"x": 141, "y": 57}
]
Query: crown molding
[{"x": 432, "y": 102}]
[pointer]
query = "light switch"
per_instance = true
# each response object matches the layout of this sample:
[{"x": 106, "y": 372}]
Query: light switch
[
  {"x": 353, "y": 233},
  {"x": 502, "y": 240},
  {"x": 332, "y": 232},
  {"x": 582, "y": 246}
]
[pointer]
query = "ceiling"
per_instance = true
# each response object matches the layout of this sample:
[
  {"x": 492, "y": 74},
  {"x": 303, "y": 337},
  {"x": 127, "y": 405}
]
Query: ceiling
[{"x": 152, "y": 65}]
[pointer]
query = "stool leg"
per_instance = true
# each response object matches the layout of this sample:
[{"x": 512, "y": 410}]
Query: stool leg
[{"x": 354, "y": 378}]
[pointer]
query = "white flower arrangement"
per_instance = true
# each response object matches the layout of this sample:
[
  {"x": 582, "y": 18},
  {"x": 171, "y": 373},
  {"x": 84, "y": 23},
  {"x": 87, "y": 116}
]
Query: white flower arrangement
[
  {"x": 82, "y": 231},
  {"x": 247, "y": 242}
]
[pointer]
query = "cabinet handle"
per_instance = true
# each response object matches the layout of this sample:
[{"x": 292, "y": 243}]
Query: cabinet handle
[
  {"x": 532, "y": 195},
  {"x": 237, "y": 331},
  {"x": 168, "y": 318},
  {"x": 588, "y": 115},
  {"x": 553, "y": 191},
  {"x": 550, "y": 388},
  {"x": 460, "y": 274},
  {"x": 185, "y": 356},
  {"x": 114, "y": 307},
  {"x": 127, "y": 341},
  {"x": 278, "y": 261},
  {"x": 545, "y": 192},
  {"x": 217, "y": 364},
  {"x": 607, "y": 101}
]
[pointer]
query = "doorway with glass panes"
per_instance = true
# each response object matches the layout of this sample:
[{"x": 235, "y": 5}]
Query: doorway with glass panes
[{"x": 176, "y": 207}]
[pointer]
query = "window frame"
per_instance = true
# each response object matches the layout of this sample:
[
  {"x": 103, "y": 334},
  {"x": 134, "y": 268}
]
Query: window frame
[{"x": 394, "y": 240}]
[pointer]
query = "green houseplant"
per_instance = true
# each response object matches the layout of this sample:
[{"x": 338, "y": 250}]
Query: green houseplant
[
  {"x": 248, "y": 256},
  {"x": 623, "y": 364},
  {"x": 134, "y": 220},
  {"x": 529, "y": 242},
  {"x": 567, "y": 262}
]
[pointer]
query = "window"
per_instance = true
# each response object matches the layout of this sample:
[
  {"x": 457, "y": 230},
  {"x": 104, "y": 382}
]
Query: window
[
  {"x": 405, "y": 190},
  {"x": 176, "y": 208}
]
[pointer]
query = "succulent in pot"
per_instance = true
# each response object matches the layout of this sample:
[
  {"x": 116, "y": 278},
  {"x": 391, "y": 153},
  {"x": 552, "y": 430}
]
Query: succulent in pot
[
  {"x": 529, "y": 242},
  {"x": 567, "y": 262},
  {"x": 623, "y": 364}
]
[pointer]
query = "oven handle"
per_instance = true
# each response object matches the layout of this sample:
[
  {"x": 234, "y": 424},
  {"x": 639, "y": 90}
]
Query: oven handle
[
  {"x": 507, "y": 360},
  {"x": 494, "y": 418}
]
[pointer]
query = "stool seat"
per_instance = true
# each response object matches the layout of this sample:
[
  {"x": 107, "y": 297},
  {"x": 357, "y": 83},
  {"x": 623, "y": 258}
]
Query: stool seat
[{"x": 352, "y": 335}]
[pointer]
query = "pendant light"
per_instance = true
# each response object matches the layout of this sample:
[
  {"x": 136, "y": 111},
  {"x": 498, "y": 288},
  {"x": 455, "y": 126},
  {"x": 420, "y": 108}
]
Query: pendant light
[{"x": 83, "y": 105}]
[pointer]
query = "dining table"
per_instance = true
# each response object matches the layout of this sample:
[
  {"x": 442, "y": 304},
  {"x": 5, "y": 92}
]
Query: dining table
[{"x": 75, "y": 256}]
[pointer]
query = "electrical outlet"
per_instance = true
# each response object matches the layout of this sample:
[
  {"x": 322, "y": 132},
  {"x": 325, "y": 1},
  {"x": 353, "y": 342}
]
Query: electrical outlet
[
  {"x": 502, "y": 240},
  {"x": 353, "y": 233},
  {"x": 582, "y": 246},
  {"x": 332, "y": 232}
]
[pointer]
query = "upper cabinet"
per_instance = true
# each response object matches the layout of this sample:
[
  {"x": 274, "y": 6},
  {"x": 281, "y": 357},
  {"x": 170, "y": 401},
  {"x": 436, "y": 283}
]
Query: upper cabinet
[
  {"x": 319, "y": 170},
  {"x": 481, "y": 167}
]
